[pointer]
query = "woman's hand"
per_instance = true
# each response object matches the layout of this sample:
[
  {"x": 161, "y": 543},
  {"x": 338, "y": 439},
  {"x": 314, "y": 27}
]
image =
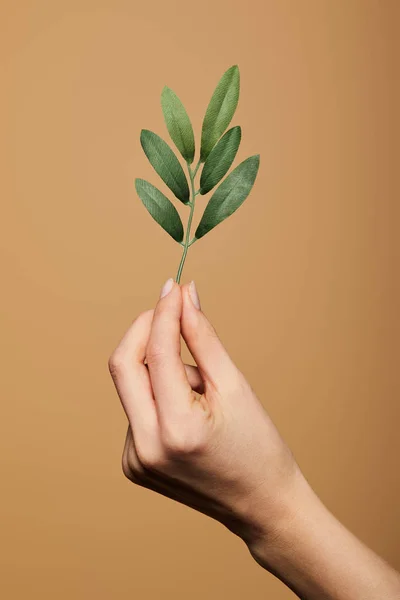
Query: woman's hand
[{"x": 199, "y": 435}]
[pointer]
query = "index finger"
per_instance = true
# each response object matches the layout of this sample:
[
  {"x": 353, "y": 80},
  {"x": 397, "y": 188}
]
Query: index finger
[{"x": 130, "y": 376}]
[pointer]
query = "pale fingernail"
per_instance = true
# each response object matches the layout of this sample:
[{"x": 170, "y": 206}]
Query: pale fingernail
[
  {"x": 194, "y": 295},
  {"x": 167, "y": 287}
]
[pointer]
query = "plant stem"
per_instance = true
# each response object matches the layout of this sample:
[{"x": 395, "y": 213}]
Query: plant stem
[
  {"x": 196, "y": 169},
  {"x": 192, "y": 202}
]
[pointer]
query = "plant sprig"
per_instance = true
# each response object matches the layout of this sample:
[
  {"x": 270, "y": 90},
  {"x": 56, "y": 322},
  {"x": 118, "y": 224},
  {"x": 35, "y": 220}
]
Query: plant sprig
[{"x": 216, "y": 155}]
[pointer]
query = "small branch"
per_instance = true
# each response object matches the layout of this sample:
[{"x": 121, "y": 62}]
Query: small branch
[
  {"x": 196, "y": 169},
  {"x": 187, "y": 237}
]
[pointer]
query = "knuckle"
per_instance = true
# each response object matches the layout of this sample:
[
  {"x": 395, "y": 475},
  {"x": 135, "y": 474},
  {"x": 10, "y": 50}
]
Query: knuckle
[
  {"x": 182, "y": 442},
  {"x": 126, "y": 468},
  {"x": 131, "y": 467},
  {"x": 129, "y": 470},
  {"x": 116, "y": 364},
  {"x": 155, "y": 353},
  {"x": 150, "y": 459}
]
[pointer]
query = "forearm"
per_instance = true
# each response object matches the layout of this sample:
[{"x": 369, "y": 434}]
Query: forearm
[{"x": 319, "y": 559}]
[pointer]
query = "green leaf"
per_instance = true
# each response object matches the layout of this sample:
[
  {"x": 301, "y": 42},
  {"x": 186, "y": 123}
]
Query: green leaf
[
  {"x": 178, "y": 124},
  {"x": 160, "y": 208},
  {"x": 220, "y": 110},
  {"x": 232, "y": 192},
  {"x": 166, "y": 164},
  {"x": 220, "y": 159}
]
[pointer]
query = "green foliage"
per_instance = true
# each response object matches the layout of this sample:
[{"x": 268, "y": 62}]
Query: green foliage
[
  {"x": 220, "y": 110},
  {"x": 231, "y": 194},
  {"x": 220, "y": 159},
  {"x": 160, "y": 208},
  {"x": 178, "y": 124},
  {"x": 165, "y": 164},
  {"x": 216, "y": 152}
]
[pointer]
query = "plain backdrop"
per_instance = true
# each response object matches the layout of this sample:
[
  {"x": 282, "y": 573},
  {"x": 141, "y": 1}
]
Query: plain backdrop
[{"x": 302, "y": 283}]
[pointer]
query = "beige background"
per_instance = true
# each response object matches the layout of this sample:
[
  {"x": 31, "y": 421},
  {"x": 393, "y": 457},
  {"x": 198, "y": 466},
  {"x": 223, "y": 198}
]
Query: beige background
[{"x": 302, "y": 283}]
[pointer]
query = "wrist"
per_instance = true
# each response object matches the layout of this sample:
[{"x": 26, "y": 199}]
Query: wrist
[
  {"x": 275, "y": 526},
  {"x": 316, "y": 556}
]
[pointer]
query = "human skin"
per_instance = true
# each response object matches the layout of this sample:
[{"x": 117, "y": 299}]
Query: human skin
[{"x": 199, "y": 435}]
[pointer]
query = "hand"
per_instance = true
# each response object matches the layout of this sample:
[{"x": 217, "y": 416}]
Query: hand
[{"x": 199, "y": 434}]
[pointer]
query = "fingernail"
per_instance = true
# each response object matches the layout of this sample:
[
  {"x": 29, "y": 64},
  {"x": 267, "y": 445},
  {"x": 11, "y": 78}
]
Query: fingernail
[
  {"x": 167, "y": 287},
  {"x": 194, "y": 295}
]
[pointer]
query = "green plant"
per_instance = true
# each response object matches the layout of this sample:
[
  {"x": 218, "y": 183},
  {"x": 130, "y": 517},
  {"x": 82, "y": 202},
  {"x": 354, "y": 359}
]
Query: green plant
[{"x": 216, "y": 155}]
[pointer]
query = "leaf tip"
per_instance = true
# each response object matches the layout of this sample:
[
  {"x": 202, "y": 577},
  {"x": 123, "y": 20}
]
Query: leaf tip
[
  {"x": 235, "y": 70},
  {"x": 256, "y": 158}
]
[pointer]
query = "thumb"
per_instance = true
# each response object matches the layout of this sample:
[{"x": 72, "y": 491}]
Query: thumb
[{"x": 213, "y": 361}]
